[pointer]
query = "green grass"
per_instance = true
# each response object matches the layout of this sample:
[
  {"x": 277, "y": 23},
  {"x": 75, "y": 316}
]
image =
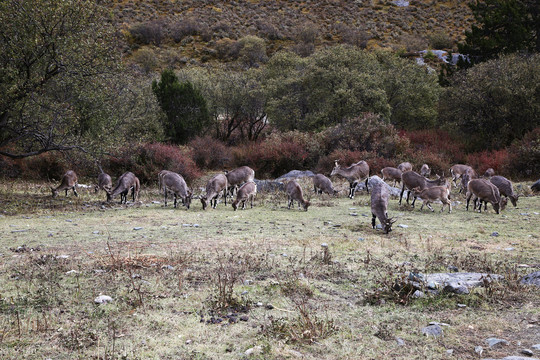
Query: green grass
[{"x": 267, "y": 255}]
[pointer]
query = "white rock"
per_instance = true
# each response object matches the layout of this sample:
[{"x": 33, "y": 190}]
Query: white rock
[{"x": 103, "y": 299}]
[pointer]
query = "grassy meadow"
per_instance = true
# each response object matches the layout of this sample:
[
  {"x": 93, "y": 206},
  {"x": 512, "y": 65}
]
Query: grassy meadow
[{"x": 262, "y": 283}]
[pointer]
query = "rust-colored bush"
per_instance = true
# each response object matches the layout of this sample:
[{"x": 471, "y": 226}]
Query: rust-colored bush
[
  {"x": 272, "y": 157},
  {"x": 209, "y": 153},
  {"x": 495, "y": 159},
  {"x": 46, "y": 166},
  {"x": 147, "y": 160}
]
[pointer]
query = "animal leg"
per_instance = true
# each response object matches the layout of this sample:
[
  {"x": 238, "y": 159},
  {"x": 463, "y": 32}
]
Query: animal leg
[
  {"x": 75, "y": 192},
  {"x": 429, "y": 206},
  {"x": 373, "y": 220},
  {"x": 367, "y": 189},
  {"x": 66, "y": 192},
  {"x": 175, "y": 200},
  {"x": 401, "y": 195}
]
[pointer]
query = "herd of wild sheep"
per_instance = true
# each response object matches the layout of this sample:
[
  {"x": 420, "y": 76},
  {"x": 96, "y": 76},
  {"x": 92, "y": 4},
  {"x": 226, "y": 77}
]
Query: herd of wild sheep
[{"x": 491, "y": 188}]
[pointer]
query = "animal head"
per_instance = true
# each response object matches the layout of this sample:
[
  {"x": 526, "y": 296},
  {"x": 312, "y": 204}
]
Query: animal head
[
  {"x": 96, "y": 188},
  {"x": 336, "y": 168},
  {"x": 54, "y": 192},
  {"x": 188, "y": 199},
  {"x": 514, "y": 199},
  {"x": 306, "y": 205},
  {"x": 235, "y": 205},
  {"x": 387, "y": 226}
]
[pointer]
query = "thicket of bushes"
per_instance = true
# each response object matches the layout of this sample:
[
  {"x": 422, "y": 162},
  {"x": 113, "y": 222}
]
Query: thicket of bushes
[{"x": 281, "y": 152}]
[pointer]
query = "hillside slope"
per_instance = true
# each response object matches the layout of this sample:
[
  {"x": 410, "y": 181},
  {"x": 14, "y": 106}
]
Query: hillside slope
[{"x": 205, "y": 30}]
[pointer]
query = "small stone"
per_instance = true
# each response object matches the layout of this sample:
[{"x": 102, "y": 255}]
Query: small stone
[
  {"x": 452, "y": 268},
  {"x": 400, "y": 341},
  {"x": 524, "y": 214},
  {"x": 324, "y": 245},
  {"x": 378, "y": 226},
  {"x": 50, "y": 235},
  {"x": 418, "y": 294},
  {"x": 103, "y": 299},
  {"x": 438, "y": 323},
  {"x": 69, "y": 220},
  {"x": 189, "y": 341},
  {"x": 432, "y": 330},
  {"x": 284, "y": 255},
  {"x": 269, "y": 306},
  {"x": 167, "y": 267},
  {"x": 296, "y": 354},
  {"x": 95, "y": 232},
  {"x": 461, "y": 306},
  {"x": 248, "y": 282},
  {"x": 536, "y": 347},
  {"x": 186, "y": 225},
  {"x": 509, "y": 249},
  {"x": 137, "y": 228},
  {"x": 449, "y": 351},
  {"x": 259, "y": 304},
  {"x": 353, "y": 214},
  {"x": 403, "y": 226},
  {"x": 244, "y": 318},
  {"x": 361, "y": 239},
  {"x": 245, "y": 292},
  {"x": 62, "y": 257},
  {"x": 196, "y": 225},
  {"x": 496, "y": 343},
  {"x": 495, "y": 233},
  {"x": 479, "y": 350},
  {"x": 253, "y": 351},
  {"x": 72, "y": 272},
  {"x": 527, "y": 352}
]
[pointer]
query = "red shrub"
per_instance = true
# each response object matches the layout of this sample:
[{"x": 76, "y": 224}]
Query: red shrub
[
  {"x": 436, "y": 141},
  {"x": 147, "y": 160},
  {"x": 496, "y": 159},
  {"x": 46, "y": 166},
  {"x": 272, "y": 157},
  {"x": 209, "y": 153}
]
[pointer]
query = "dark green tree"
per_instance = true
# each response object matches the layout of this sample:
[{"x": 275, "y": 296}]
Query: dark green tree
[
  {"x": 503, "y": 27},
  {"x": 184, "y": 106},
  {"x": 495, "y": 102}
]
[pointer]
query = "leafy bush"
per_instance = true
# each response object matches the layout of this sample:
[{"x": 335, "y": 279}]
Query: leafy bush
[
  {"x": 46, "y": 166},
  {"x": 209, "y": 153},
  {"x": 495, "y": 159},
  {"x": 146, "y": 59},
  {"x": 524, "y": 156},
  {"x": 252, "y": 51},
  {"x": 150, "y": 32},
  {"x": 183, "y": 28},
  {"x": 440, "y": 40},
  {"x": 147, "y": 160},
  {"x": 368, "y": 132}
]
